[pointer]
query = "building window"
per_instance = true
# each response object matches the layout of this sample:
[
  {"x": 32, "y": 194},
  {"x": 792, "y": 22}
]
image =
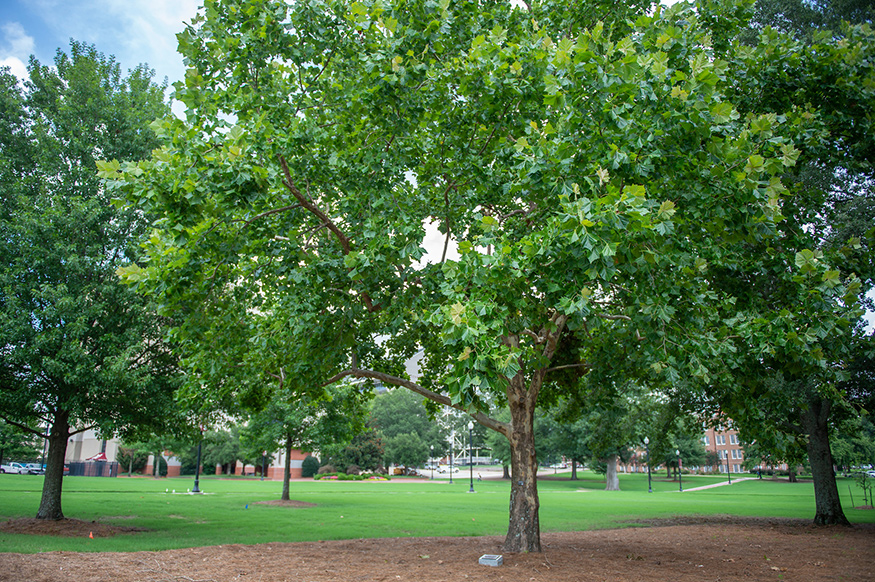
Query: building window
[
  {"x": 705, "y": 440},
  {"x": 720, "y": 439},
  {"x": 733, "y": 439}
]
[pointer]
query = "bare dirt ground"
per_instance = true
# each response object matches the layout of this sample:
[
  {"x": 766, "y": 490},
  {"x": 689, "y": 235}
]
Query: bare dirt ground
[{"x": 680, "y": 550}]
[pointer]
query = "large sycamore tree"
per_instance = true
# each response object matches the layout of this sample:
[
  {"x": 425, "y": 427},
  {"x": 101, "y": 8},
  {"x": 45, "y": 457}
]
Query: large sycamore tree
[
  {"x": 78, "y": 350},
  {"x": 582, "y": 158}
]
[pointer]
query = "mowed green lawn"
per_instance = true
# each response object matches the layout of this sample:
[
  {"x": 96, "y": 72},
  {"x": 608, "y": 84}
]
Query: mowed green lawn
[{"x": 228, "y": 512}]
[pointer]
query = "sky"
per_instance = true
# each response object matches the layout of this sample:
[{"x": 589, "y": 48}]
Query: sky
[{"x": 134, "y": 31}]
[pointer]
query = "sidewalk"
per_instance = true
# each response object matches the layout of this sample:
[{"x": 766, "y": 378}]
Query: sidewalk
[{"x": 721, "y": 484}]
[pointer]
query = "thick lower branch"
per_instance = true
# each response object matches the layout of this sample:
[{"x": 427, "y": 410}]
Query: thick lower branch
[{"x": 481, "y": 418}]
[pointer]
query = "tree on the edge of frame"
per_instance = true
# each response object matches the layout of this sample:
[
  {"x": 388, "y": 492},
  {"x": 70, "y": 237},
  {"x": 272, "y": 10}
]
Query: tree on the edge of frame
[{"x": 78, "y": 349}]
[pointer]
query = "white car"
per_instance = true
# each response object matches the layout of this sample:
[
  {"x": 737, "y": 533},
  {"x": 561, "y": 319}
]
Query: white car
[
  {"x": 447, "y": 469},
  {"x": 14, "y": 468}
]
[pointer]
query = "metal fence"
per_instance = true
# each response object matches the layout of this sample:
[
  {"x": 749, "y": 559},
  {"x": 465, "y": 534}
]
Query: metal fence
[{"x": 93, "y": 469}]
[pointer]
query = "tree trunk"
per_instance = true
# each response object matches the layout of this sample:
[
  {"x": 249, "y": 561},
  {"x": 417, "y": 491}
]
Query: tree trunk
[
  {"x": 573, "y": 470},
  {"x": 611, "y": 477},
  {"x": 791, "y": 475},
  {"x": 50, "y": 503},
  {"x": 287, "y": 468},
  {"x": 828, "y": 505},
  {"x": 523, "y": 530},
  {"x": 505, "y": 471}
]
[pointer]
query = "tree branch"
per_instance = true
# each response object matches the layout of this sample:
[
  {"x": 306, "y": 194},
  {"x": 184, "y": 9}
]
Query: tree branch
[
  {"x": 24, "y": 427},
  {"x": 502, "y": 427},
  {"x": 268, "y": 213},
  {"x": 307, "y": 204},
  {"x": 613, "y": 317}
]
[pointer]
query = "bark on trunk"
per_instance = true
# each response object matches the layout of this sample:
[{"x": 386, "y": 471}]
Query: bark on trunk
[
  {"x": 573, "y": 470},
  {"x": 828, "y": 505},
  {"x": 506, "y": 472},
  {"x": 287, "y": 468},
  {"x": 612, "y": 480},
  {"x": 50, "y": 503},
  {"x": 523, "y": 530}
]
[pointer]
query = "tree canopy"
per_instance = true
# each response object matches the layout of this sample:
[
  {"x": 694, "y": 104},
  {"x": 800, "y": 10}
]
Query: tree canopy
[
  {"x": 588, "y": 164},
  {"x": 78, "y": 349}
]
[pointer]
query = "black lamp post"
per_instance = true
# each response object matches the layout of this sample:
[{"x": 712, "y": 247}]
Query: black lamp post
[
  {"x": 728, "y": 473},
  {"x": 452, "y": 443},
  {"x": 263, "y": 463},
  {"x": 680, "y": 479},
  {"x": 471, "y": 453},
  {"x": 431, "y": 462},
  {"x": 197, "y": 469},
  {"x": 647, "y": 450}
]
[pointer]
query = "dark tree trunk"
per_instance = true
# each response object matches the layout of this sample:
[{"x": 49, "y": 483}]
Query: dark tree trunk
[
  {"x": 287, "y": 468},
  {"x": 612, "y": 480},
  {"x": 573, "y": 470},
  {"x": 791, "y": 475},
  {"x": 506, "y": 472},
  {"x": 50, "y": 503},
  {"x": 523, "y": 530},
  {"x": 828, "y": 505}
]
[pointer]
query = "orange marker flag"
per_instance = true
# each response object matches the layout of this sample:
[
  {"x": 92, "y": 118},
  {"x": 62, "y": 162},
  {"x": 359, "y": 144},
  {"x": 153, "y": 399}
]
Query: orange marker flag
[{"x": 91, "y": 534}]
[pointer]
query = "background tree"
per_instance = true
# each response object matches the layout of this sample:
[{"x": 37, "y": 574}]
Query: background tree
[
  {"x": 291, "y": 421},
  {"x": 221, "y": 448},
  {"x": 811, "y": 280},
  {"x": 365, "y": 451},
  {"x": 17, "y": 445},
  {"x": 78, "y": 350},
  {"x": 397, "y": 411},
  {"x": 133, "y": 455},
  {"x": 594, "y": 178}
]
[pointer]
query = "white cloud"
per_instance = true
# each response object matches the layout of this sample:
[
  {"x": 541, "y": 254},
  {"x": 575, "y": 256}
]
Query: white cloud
[{"x": 15, "y": 48}]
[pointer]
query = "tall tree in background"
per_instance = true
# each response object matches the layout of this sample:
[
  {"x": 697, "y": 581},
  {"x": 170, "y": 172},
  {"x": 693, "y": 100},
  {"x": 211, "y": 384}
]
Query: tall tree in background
[
  {"x": 292, "y": 421},
  {"x": 78, "y": 350},
  {"x": 593, "y": 176},
  {"x": 809, "y": 281}
]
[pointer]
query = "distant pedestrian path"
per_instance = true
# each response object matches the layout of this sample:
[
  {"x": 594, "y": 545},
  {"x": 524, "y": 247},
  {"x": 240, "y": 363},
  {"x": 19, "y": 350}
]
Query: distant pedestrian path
[{"x": 721, "y": 484}]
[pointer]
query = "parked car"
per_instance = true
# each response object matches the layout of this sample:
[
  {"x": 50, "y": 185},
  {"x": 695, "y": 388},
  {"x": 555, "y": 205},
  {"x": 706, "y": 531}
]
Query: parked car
[
  {"x": 35, "y": 469},
  {"x": 13, "y": 468},
  {"x": 447, "y": 469},
  {"x": 871, "y": 473}
]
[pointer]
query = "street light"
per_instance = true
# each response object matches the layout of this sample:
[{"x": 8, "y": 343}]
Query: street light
[
  {"x": 471, "y": 453},
  {"x": 263, "y": 463},
  {"x": 647, "y": 449},
  {"x": 680, "y": 479},
  {"x": 728, "y": 474},
  {"x": 452, "y": 444},
  {"x": 197, "y": 470},
  {"x": 431, "y": 462}
]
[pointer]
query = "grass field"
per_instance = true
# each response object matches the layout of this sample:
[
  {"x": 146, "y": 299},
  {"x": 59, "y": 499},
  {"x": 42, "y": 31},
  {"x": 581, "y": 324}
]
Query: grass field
[{"x": 228, "y": 513}]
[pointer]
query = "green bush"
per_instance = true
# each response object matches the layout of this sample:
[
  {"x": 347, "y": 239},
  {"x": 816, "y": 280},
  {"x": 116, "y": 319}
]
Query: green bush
[
  {"x": 310, "y": 466},
  {"x": 337, "y": 476}
]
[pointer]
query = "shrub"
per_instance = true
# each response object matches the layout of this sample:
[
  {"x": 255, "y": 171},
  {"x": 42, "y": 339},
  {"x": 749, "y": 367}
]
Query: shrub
[
  {"x": 353, "y": 470},
  {"x": 345, "y": 477},
  {"x": 326, "y": 469},
  {"x": 310, "y": 466}
]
